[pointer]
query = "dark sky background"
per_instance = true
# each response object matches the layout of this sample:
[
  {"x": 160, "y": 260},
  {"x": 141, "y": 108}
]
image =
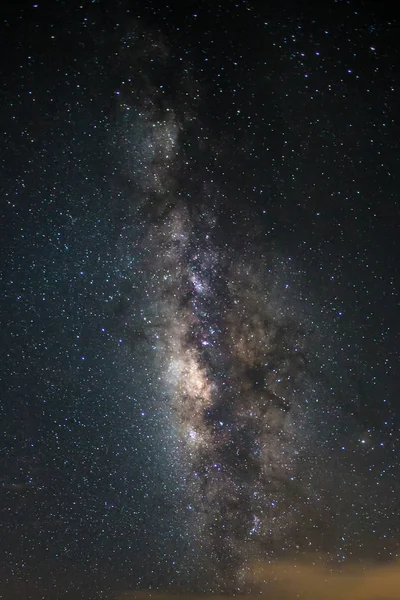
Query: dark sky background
[{"x": 288, "y": 143}]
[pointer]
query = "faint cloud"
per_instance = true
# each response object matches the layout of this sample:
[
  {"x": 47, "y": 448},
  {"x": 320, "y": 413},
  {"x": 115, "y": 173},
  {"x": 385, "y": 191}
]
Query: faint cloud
[{"x": 305, "y": 580}]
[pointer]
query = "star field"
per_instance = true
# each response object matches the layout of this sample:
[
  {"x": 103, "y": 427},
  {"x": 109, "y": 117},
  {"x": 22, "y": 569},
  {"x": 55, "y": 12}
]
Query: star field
[{"x": 199, "y": 293}]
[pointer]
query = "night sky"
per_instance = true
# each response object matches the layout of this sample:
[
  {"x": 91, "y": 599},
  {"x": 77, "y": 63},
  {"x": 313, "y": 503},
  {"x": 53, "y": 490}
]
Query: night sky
[{"x": 199, "y": 292}]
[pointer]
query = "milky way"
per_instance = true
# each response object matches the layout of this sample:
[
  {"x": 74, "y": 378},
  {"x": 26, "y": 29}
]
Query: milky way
[
  {"x": 200, "y": 364},
  {"x": 229, "y": 354}
]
